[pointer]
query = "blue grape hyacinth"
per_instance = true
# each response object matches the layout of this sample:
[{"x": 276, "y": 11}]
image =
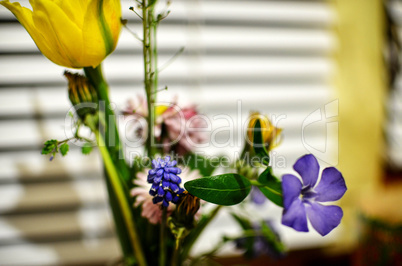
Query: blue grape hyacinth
[
  {"x": 165, "y": 181},
  {"x": 302, "y": 199}
]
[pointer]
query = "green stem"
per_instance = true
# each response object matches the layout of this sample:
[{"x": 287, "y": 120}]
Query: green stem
[
  {"x": 175, "y": 256},
  {"x": 149, "y": 70},
  {"x": 155, "y": 54},
  {"x": 121, "y": 199},
  {"x": 196, "y": 232},
  {"x": 110, "y": 132},
  {"x": 118, "y": 178},
  {"x": 256, "y": 183},
  {"x": 162, "y": 247}
]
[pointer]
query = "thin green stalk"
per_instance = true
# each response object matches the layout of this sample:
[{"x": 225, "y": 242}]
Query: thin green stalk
[
  {"x": 117, "y": 171},
  {"x": 175, "y": 256},
  {"x": 147, "y": 15},
  {"x": 256, "y": 183},
  {"x": 196, "y": 232},
  {"x": 110, "y": 132},
  {"x": 121, "y": 199},
  {"x": 154, "y": 28},
  {"x": 162, "y": 246}
]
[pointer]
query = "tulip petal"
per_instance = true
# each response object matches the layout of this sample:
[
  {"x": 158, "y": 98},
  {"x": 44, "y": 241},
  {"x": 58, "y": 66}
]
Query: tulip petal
[
  {"x": 295, "y": 216},
  {"x": 94, "y": 44},
  {"x": 74, "y": 9},
  {"x": 323, "y": 218},
  {"x": 308, "y": 168},
  {"x": 112, "y": 13},
  {"x": 332, "y": 185},
  {"x": 24, "y": 16},
  {"x": 54, "y": 23}
]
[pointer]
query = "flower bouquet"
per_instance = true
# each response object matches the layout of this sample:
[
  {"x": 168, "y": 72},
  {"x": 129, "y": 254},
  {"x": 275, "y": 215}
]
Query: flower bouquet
[{"x": 164, "y": 199}]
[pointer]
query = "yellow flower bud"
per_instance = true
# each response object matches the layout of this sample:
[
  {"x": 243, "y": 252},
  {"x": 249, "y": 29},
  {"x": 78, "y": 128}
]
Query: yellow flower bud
[
  {"x": 71, "y": 33},
  {"x": 270, "y": 133}
]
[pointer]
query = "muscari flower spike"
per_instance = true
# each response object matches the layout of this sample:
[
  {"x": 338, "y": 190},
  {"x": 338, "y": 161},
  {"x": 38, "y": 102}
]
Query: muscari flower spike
[
  {"x": 302, "y": 199},
  {"x": 165, "y": 182}
]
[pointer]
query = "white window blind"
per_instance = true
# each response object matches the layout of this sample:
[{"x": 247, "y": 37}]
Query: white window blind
[
  {"x": 393, "y": 128},
  {"x": 269, "y": 56}
]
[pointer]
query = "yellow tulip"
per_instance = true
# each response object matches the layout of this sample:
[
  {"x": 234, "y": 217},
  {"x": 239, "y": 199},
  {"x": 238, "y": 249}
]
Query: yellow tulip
[
  {"x": 71, "y": 33},
  {"x": 270, "y": 133}
]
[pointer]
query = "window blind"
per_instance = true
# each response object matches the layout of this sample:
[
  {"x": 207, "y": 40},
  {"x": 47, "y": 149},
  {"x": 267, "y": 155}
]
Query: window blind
[
  {"x": 393, "y": 128},
  {"x": 269, "y": 56}
]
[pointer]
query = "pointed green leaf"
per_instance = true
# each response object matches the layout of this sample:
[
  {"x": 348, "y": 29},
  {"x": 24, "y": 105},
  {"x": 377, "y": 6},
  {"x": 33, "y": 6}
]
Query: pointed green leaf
[
  {"x": 226, "y": 189},
  {"x": 86, "y": 149},
  {"x": 50, "y": 146},
  {"x": 243, "y": 222},
  {"x": 64, "y": 149},
  {"x": 272, "y": 188},
  {"x": 248, "y": 241},
  {"x": 268, "y": 178},
  {"x": 259, "y": 145},
  {"x": 272, "y": 238}
]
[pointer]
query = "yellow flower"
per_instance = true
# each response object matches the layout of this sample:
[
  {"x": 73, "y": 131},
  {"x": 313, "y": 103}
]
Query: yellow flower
[
  {"x": 71, "y": 33},
  {"x": 270, "y": 133}
]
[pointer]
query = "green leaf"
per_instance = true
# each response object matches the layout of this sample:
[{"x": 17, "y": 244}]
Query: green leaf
[
  {"x": 273, "y": 238},
  {"x": 243, "y": 222},
  {"x": 259, "y": 145},
  {"x": 249, "y": 242},
  {"x": 64, "y": 149},
  {"x": 272, "y": 195},
  {"x": 86, "y": 149},
  {"x": 267, "y": 178},
  {"x": 50, "y": 146},
  {"x": 272, "y": 188},
  {"x": 226, "y": 189}
]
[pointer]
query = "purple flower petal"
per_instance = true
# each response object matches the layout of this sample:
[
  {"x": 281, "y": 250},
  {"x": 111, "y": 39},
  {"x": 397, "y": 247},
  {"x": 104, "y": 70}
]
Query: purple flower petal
[
  {"x": 291, "y": 189},
  {"x": 152, "y": 171},
  {"x": 257, "y": 197},
  {"x": 174, "y": 178},
  {"x": 295, "y": 216},
  {"x": 165, "y": 203},
  {"x": 173, "y": 170},
  {"x": 174, "y": 187},
  {"x": 332, "y": 185},
  {"x": 172, "y": 163},
  {"x": 159, "y": 172},
  {"x": 168, "y": 196},
  {"x": 165, "y": 185},
  {"x": 323, "y": 218},
  {"x": 308, "y": 168},
  {"x": 175, "y": 199},
  {"x": 160, "y": 192}
]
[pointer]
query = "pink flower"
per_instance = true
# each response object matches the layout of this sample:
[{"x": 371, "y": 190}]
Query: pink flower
[
  {"x": 182, "y": 129},
  {"x": 178, "y": 129},
  {"x": 150, "y": 210}
]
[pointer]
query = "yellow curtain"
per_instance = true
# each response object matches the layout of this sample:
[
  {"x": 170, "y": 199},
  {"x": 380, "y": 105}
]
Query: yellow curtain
[{"x": 361, "y": 86}]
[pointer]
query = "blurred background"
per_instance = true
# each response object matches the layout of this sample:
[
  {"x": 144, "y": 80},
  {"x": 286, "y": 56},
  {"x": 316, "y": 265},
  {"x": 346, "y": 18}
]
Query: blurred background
[{"x": 326, "y": 71}]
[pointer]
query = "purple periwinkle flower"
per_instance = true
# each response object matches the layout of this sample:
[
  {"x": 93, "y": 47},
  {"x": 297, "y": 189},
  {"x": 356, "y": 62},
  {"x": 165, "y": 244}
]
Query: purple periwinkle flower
[
  {"x": 302, "y": 199},
  {"x": 165, "y": 181}
]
